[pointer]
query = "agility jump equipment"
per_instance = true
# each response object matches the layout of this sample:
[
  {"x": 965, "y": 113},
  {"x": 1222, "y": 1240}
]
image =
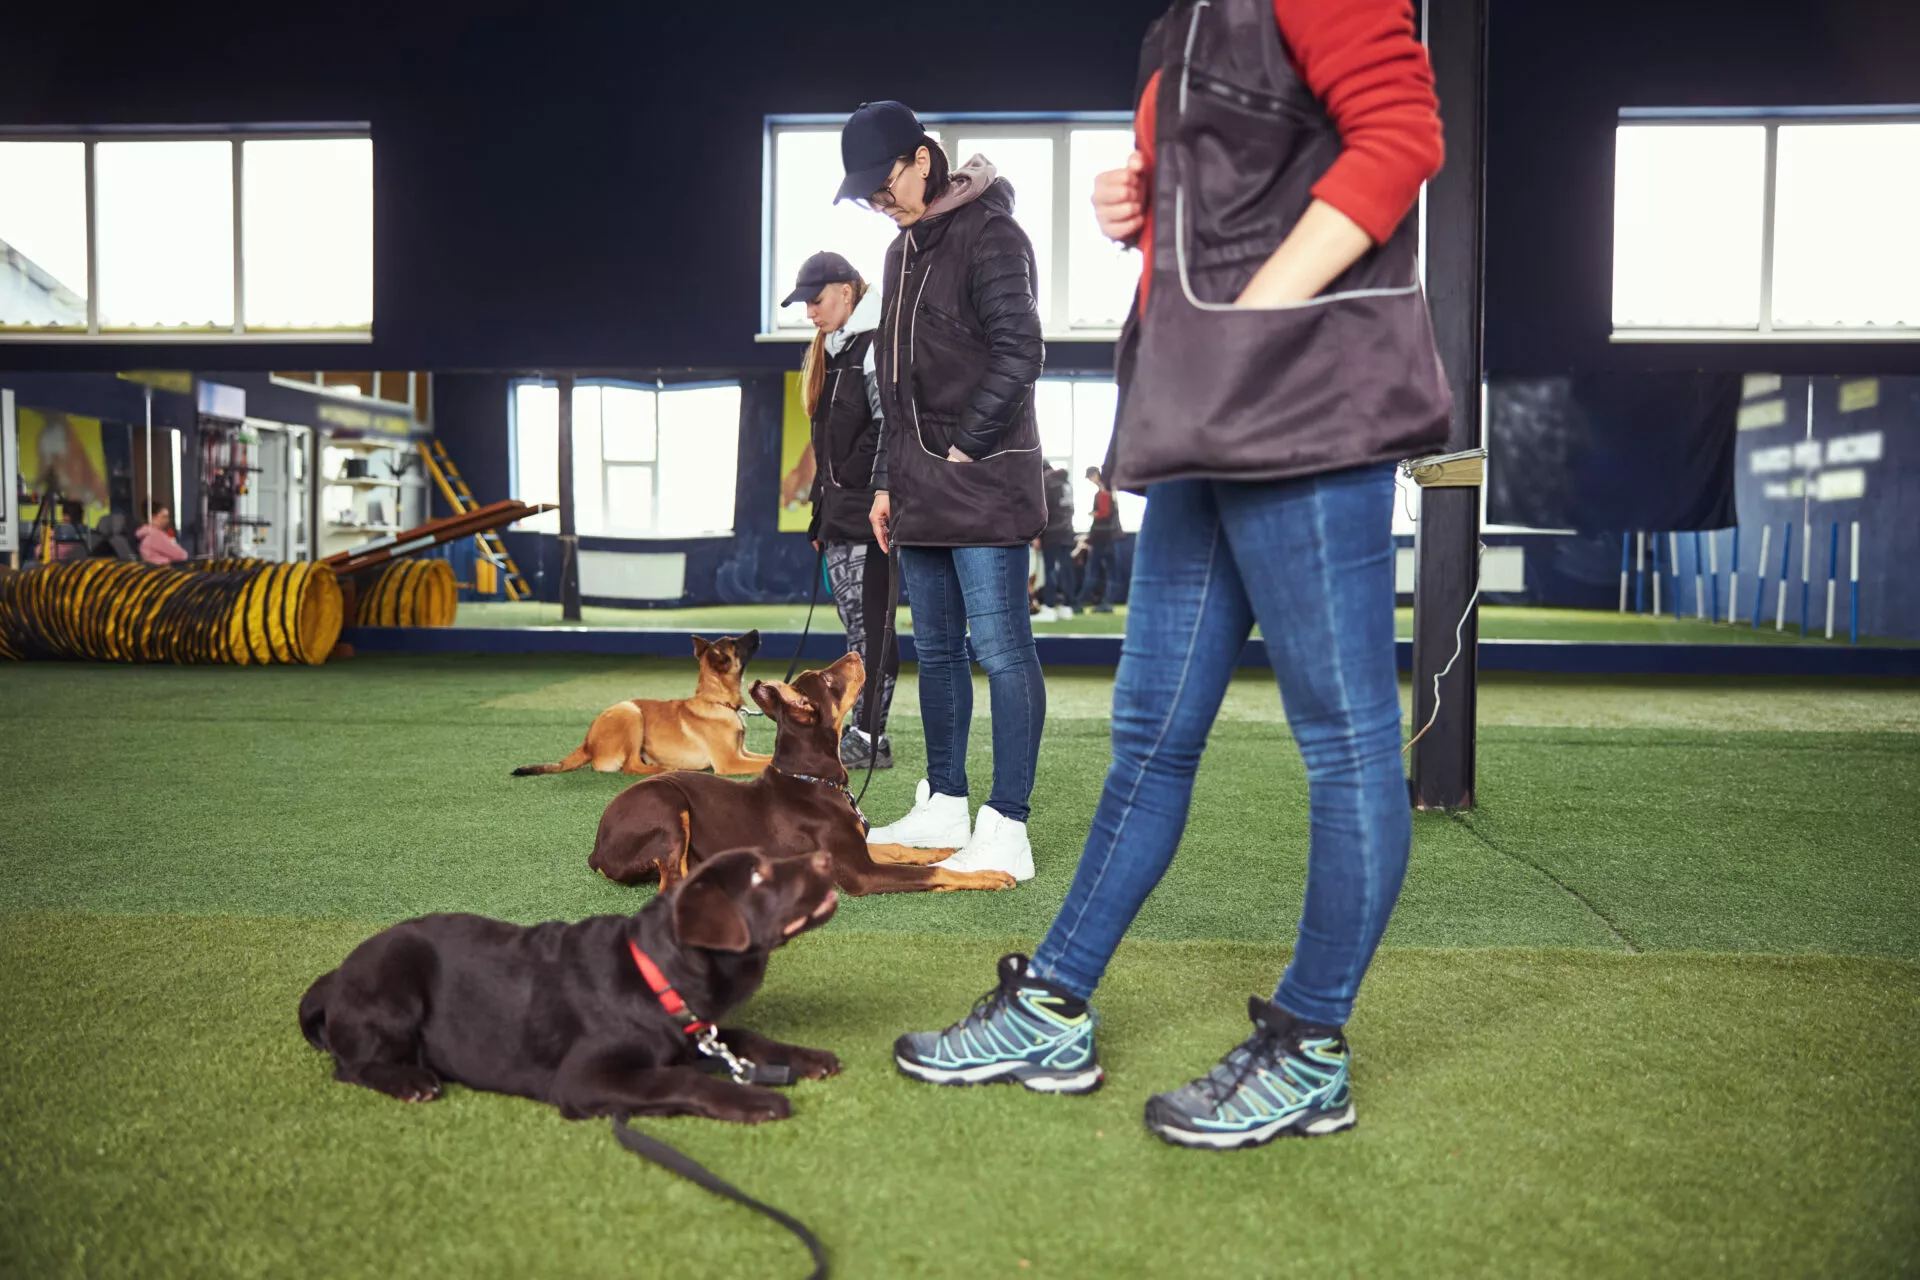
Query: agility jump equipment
[
  {"x": 1843, "y": 553},
  {"x": 238, "y": 612}
]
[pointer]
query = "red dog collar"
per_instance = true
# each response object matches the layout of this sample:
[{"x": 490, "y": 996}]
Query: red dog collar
[{"x": 663, "y": 990}]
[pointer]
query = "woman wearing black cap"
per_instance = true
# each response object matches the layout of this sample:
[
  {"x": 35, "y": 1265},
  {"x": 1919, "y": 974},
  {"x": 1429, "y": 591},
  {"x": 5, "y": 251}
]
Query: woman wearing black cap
[
  {"x": 842, "y": 398},
  {"x": 959, "y": 481}
]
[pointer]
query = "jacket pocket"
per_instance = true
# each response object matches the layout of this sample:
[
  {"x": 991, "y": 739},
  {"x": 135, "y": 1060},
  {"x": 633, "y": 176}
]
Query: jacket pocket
[{"x": 947, "y": 359}]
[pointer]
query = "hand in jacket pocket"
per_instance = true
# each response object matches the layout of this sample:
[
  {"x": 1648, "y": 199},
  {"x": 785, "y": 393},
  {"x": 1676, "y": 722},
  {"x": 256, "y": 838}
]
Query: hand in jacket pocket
[{"x": 954, "y": 454}]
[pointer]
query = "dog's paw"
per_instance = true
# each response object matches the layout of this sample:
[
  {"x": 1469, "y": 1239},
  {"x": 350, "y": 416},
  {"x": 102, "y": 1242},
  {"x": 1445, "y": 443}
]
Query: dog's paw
[
  {"x": 813, "y": 1064},
  {"x": 999, "y": 879},
  {"x": 765, "y": 1105}
]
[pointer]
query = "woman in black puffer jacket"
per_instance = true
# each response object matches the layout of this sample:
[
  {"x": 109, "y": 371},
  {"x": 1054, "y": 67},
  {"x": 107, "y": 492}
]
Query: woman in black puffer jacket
[{"x": 959, "y": 481}]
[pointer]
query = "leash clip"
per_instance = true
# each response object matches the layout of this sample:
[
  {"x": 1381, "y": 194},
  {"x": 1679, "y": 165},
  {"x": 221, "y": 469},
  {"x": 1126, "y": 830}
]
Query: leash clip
[{"x": 710, "y": 1043}]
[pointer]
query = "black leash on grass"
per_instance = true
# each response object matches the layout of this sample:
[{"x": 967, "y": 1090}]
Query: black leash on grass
[{"x": 673, "y": 1161}]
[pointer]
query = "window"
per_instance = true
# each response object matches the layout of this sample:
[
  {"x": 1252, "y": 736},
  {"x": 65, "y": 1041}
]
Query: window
[
  {"x": 1746, "y": 224},
  {"x": 122, "y": 233},
  {"x": 1084, "y": 282},
  {"x": 1076, "y": 424},
  {"x": 43, "y": 235},
  {"x": 648, "y": 461}
]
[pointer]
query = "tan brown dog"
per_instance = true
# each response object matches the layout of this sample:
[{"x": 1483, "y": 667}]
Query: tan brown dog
[
  {"x": 666, "y": 827},
  {"x": 648, "y": 735}
]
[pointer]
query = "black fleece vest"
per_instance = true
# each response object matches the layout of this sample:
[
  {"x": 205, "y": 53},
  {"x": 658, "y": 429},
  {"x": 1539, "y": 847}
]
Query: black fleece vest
[
  {"x": 932, "y": 349},
  {"x": 845, "y": 437},
  {"x": 1208, "y": 389}
]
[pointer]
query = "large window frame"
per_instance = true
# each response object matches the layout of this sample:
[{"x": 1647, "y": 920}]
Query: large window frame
[
  {"x": 1057, "y": 127},
  {"x": 1771, "y": 119},
  {"x": 655, "y": 465},
  {"x": 235, "y": 136}
]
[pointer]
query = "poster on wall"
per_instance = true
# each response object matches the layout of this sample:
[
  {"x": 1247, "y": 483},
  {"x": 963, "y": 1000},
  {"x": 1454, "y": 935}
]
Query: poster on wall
[
  {"x": 63, "y": 452},
  {"x": 796, "y": 462}
]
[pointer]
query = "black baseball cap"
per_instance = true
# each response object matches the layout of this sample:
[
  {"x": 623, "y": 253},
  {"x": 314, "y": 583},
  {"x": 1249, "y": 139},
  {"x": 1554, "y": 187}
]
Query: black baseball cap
[
  {"x": 873, "y": 138},
  {"x": 816, "y": 273}
]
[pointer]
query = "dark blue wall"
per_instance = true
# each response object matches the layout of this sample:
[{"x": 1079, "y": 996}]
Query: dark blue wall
[
  {"x": 564, "y": 185},
  {"x": 1558, "y": 76}
]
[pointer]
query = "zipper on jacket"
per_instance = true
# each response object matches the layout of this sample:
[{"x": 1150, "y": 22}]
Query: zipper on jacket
[
  {"x": 1264, "y": 103},
  {"x": 899, "y": 302},
  {"x": 1186, "y": 56}
]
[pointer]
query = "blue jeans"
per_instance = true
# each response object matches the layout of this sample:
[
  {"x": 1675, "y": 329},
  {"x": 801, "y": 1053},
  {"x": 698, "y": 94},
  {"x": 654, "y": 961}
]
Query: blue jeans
[
  {"x": 1312, "y": 561},
  {"x": 954, "y": 590},
  {"x": 1101, "y": 565},
  {"x": 1058, "y": 589}
]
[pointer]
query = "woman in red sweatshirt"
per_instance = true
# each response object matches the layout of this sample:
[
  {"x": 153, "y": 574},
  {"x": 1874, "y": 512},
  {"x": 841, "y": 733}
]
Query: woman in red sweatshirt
[{"x": 1279, "y": 362}]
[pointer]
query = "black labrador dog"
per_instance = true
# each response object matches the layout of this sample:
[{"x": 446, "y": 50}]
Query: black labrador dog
[{"x": 603, "y": 1017}]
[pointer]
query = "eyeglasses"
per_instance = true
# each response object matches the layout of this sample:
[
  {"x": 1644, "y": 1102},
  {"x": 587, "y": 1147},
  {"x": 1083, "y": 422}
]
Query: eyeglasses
[{"x": 884, "y": 199}]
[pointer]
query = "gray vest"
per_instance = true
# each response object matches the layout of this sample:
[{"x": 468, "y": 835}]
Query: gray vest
[{"x": 1208, "y": 389}]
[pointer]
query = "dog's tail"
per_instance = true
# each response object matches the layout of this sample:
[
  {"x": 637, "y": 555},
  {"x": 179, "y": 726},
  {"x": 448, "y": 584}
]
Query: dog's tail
[
  {"x": 573, "y": 761},
  {"x": 313, "y": 1009}
]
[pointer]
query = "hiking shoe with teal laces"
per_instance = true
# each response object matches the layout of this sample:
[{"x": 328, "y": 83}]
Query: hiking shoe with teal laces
[
  {"x": 1288, "y": 1077},
  {"x": 1024, "y": 1030}
]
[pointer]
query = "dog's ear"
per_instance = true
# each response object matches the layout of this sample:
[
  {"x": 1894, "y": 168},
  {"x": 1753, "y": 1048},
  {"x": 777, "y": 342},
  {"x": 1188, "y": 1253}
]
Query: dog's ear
[
  {"x": 799, "y": 708},
  {"x": 700, "y": 647},
  {"x": 704, "y": 916}
]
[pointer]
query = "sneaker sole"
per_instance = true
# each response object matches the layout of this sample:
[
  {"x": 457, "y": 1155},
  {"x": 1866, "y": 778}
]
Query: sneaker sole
[
  {"x": 997, "y": 1073},
  {"x": 1286, "y": 1126}
]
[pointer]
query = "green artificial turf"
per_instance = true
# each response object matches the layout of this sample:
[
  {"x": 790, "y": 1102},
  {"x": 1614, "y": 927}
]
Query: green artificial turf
[
  {"x": 1651, "y": 1008},
  {"x": 1497, "y": 622},
  {"x": 1540, "y": 1112}
]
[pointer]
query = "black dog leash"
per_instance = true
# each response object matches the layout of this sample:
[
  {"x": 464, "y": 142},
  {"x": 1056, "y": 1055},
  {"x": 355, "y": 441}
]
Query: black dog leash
[
  {"x": 877, "y": 691},
  {"x": 651, "y": 1148},
  {"x": 813, "y": 599}
]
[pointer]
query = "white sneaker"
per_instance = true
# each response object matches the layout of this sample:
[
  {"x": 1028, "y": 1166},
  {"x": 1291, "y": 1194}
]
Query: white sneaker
[
  {"x": 934, "y": 822},
  {"x": 1046, "y": 614},
  {"x": 1065, "y": 611},
  {"x": 998, "y": 844}
]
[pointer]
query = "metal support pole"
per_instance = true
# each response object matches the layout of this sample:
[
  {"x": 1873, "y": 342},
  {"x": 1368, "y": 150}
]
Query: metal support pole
[
  {"x": 1446, "y": 546},
  {"x": 569, "y": 540}
]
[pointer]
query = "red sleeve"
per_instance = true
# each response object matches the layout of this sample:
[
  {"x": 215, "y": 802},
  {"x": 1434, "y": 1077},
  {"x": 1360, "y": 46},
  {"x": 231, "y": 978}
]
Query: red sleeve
[{"x": 1363, "y": 60}]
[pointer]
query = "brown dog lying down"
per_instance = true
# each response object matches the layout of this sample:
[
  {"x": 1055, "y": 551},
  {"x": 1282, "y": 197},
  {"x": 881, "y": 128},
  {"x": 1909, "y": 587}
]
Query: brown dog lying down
[
  {"x": 667, "y": 826},
  {"x": 645, "y": 735},
  {"x": 568, "y": 1013}
]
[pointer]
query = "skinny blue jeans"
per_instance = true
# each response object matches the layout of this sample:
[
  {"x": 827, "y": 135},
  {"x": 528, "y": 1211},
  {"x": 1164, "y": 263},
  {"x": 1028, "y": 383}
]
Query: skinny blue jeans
[{"x": 1312, "y": 561}]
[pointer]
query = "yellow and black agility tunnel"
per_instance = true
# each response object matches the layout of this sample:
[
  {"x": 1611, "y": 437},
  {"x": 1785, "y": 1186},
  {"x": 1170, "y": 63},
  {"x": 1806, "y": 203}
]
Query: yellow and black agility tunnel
[
  {"x": 406, "y": 593},
  {"x": 235, "y": 611}
]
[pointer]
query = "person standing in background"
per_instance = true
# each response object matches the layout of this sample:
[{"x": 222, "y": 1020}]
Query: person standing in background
[
  {"x": 1056, "y": 549},
  {"x": 1104, "y": 532},
  {"x": 958, "y": 485},
  {"x": 1278, "y": 362},
  {"x": 842, "y": 399}
]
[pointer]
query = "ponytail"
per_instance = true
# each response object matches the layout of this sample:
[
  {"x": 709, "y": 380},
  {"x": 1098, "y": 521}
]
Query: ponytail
[{"x": 813, "y": 368}]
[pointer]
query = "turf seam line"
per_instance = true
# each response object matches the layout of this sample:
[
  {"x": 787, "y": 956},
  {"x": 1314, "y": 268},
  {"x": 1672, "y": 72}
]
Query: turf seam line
[{"x": 1612, "y": 928}]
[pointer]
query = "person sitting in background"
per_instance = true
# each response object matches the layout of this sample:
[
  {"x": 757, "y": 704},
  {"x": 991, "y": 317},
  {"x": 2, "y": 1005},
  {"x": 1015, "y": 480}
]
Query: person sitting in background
[
  {"x": 1056, "y": 548},
  {"x": 70, "y": 532},
  {"x": 1100, "y": 539},
  {"x": 157, "y": 544}
]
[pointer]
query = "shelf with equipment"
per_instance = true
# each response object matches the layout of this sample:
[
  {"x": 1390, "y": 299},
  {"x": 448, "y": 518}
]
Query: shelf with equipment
[{"x": 368, "y": 485}]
